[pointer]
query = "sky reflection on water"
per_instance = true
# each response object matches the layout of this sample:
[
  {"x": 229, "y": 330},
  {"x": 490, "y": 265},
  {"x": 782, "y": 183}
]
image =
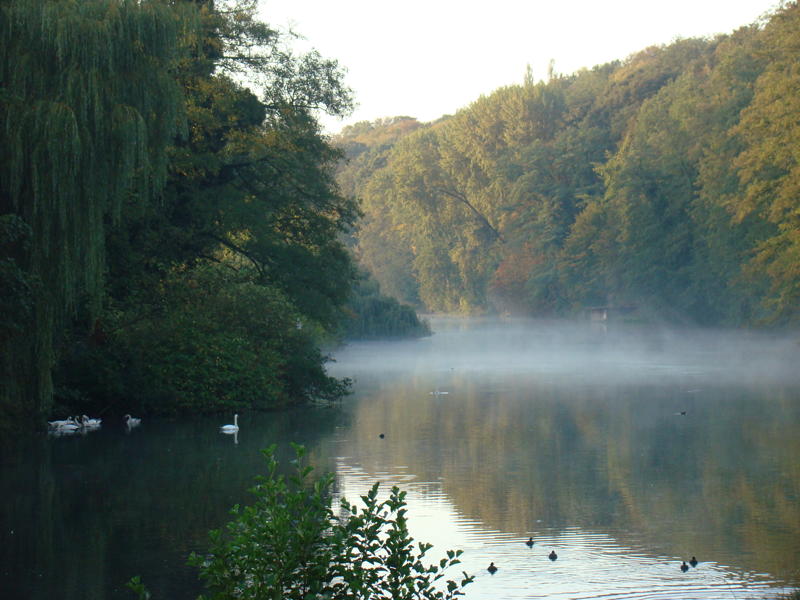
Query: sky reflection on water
[
  {"x": 577, "y": 438},
  {"x": 590, "y": 565}
]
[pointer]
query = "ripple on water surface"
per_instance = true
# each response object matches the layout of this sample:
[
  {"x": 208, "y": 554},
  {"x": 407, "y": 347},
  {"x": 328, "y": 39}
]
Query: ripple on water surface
[{"x": 590, "y": 565}]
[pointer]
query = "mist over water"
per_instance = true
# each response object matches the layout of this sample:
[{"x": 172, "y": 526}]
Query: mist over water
[
  {"x": 627, "y": 449},
  {"x": 592, "y": 351}
]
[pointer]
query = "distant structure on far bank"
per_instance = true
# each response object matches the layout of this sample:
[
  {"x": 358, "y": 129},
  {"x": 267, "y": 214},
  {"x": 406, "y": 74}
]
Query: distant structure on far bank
[{"x": 604, "y": 314}]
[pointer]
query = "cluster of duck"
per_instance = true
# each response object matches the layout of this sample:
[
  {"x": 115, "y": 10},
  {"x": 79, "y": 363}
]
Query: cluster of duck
[
  {"x": 553, "y": 556},
  {"x": 83, "y": 424},
  {"x": 685, "y": 567}
]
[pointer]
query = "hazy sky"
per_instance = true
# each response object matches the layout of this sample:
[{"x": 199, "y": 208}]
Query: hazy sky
[{"x": 427, "y": 58}]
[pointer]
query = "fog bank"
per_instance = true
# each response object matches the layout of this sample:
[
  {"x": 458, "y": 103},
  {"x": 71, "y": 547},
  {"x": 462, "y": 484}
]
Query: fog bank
[{"x": 594, "y": 352}]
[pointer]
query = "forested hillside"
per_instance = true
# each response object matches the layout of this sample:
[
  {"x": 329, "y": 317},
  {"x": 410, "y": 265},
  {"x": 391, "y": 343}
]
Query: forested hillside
[
  {"x": 169, "y": 221},
  {"x": 669, "y": 181}
]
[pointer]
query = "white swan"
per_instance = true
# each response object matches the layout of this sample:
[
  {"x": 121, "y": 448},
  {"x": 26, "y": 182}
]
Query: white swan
[
  {"x": 67, "y": 423},
  {"x": 131, "y": 421},
  {"x": 63, "y": 427},
  {"x": 90, "y": 423},
  {"x": 65, "y": 430},
  {"x": 231, "y": 428}
]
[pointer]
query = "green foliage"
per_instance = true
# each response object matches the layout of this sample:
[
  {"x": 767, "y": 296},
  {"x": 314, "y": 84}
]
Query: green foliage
[
  {"x": 219, "y": 293},
  {"x": 138, "y": 588},
  {"x": 371, "y": 315},
  {"x": 769, "y": 165},
  {"x": 217, "y": 341},
  {"x": 668, "y": 181},
  {"x": 290, "y": 544},
  {"x": 19, "y": 288},
  {"x": 254, "y": 181},
  {"x": 89, "y": 105},
  {"x": 251, "y": 193}
]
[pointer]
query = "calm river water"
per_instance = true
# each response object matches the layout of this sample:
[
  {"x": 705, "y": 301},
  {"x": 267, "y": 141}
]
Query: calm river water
[{"x": 625, "y": 450}]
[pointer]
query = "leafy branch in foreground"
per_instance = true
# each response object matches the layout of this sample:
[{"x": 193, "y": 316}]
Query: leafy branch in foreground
[{"x": 291, "y": 545}]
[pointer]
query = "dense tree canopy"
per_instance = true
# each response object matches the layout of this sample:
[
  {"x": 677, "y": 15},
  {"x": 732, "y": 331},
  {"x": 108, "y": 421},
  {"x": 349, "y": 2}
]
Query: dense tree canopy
[
  {"x": 668, "y": 180},
  {"x": 221, "y": 293},
  {"x": 171, "y": 231},
  {"x": 88, "y": 106}
]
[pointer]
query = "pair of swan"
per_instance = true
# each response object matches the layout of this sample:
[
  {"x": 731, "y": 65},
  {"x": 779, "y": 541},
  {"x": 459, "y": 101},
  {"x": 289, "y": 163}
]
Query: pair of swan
[
  {"x": 74, "y": 423},
  {"x": 67, "y": 423}
]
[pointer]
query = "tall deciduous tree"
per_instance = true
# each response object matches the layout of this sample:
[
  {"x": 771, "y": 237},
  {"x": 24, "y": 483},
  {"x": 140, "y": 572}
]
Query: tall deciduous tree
[
  {"x": 250, "y": 216},
  {"x": 668, "y": 179},
  {"x": 769, "y": 166}
]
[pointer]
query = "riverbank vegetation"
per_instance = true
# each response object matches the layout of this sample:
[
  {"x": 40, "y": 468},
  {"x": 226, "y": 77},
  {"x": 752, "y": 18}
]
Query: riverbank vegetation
[
  {"x": 666, "y": 181},
  {"x": 372, "y": 315},
  {"x": 291, "y": 545},
  {"x": 170, "y": 226}
]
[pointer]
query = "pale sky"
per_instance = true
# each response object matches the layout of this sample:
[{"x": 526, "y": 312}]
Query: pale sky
[{"x": 428, "y": 58}]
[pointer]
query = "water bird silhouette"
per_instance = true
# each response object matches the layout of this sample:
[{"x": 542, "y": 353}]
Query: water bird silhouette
[
  {"x": 552, "y": 555},
  {"x": 529, "y": 543},
  {"x": 492, "y": 569},
  {"x": 693, "y": 562},
  {"x": 381, "y": 436},
  {"x": 684, "y": 567}
]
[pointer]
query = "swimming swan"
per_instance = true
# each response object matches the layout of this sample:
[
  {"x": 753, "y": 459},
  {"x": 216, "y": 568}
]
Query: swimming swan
[
  {"x": 62, "y": 427},
  {"x": 231, "y": 428},
  {"x": 131, "y": 421},
  {"x": 90, "y": 423},
  {"x": 68, "y": 423}
]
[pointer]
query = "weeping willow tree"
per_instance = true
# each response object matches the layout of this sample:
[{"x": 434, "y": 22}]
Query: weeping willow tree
[{"x": 88, "y": 107}]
